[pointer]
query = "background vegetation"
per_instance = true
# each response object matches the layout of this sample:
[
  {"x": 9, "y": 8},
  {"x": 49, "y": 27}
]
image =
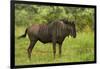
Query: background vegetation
[{"x": 74, "y": 50}]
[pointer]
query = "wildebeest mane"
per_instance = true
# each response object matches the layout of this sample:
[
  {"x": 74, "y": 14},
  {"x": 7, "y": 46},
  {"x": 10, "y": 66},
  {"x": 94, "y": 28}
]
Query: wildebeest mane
[
  {"x": 57, "y": 27},
  {"x": 60, "y": 26}
]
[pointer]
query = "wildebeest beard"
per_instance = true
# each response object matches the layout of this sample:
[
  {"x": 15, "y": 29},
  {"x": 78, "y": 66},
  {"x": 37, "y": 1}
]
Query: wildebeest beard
[{"x": 54, "y": 32}]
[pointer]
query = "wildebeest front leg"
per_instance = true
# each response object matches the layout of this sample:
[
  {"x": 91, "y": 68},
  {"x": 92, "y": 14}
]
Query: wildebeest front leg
[
  {"x": 60, "y": 49},
  {"x": 32, "y": 43},
  {"x": 54, "y": 49}
]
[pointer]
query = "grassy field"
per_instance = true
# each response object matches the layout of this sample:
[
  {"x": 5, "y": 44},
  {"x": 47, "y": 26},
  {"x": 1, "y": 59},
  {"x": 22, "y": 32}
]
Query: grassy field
[{"x": 79, "y": 49}]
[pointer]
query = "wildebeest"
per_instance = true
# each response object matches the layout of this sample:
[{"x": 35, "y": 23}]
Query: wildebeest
[{"x": 54, "y": 32}]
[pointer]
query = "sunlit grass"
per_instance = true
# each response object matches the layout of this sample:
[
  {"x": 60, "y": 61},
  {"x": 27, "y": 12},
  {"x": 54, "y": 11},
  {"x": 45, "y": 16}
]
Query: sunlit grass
[{"x": 79, "y": 49}]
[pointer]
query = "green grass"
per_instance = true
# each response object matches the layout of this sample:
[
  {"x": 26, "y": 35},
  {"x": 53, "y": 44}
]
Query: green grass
[{"x": 79, "y": 49}]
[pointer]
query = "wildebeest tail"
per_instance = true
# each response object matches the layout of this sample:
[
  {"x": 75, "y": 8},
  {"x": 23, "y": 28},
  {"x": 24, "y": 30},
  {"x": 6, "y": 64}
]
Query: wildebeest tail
[{"x": 24, "y": 35}]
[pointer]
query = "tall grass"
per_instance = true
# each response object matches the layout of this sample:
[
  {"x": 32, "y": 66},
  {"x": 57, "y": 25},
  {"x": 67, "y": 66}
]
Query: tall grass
[{"x": 79, "y": 49}]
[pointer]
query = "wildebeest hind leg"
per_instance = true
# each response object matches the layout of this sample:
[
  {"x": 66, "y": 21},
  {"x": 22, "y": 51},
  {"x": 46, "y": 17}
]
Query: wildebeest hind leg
[
  {"x": 31, "y": 46},
  {"x": 54, "y": 49}
]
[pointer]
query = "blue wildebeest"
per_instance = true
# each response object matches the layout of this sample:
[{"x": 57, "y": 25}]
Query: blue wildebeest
[{"x": 54, "y": 32}]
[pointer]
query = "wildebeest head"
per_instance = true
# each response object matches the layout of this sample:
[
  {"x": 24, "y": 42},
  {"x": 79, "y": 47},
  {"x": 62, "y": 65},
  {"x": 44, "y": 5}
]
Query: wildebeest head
[
  {"x": 71, "y": 26},
  {"x": 72, "y": 29}
]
